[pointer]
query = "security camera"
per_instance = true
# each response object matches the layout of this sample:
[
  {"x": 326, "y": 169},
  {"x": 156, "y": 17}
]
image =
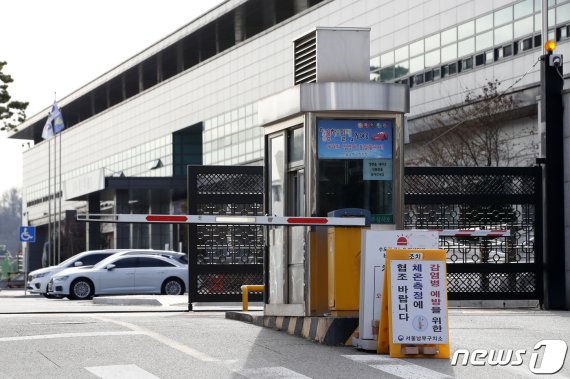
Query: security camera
[{"x": 555, "y": 60}]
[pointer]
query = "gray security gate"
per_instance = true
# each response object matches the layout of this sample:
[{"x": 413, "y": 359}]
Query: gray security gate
[
  {"x": 482, "y": 198},
  {"x": 222, "y": 258}
]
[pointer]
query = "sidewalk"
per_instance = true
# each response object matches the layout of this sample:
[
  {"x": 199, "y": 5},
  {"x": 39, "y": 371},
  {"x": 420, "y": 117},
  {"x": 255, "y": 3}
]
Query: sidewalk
[{"x": 17, "y": 300}]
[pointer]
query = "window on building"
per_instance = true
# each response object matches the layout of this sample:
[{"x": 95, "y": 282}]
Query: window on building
[
  {"x": 387, "y": 59},
  {"x": 401, "y": 54},
  {"x": 479, "y": 59},
  {"x": 436, "y": 73},
  {"x": 416, "y": 48},
  {"x": 387, "y": 73},
  {"x": 484, "y": 41},
  {"x": 419, "y": 79},
  {"x": 448, "y": 36},
  {"x": 466, "y": 47},
  {"x": 524, "y": 8},
  {"x": 503, "y": 34},
  {"x": 563, "y": 13},
  {"x": 498, "y": 54},
  {"x": 187, "y": 148},
  {"x": 449, "y": 53},
  {"x": 503, "y": 16},
  {"x": 537, "y": 40},
  {"x": 432, "y": 42},
  {"x": 466, "y": 30},
  {"x": 401, "y": 69},
  {"x": 466, "y": 64},
  {"x": 524, "y": 26},
  {"x": 561, "y": 33},
  {"x": 484, "y": 23},
  {"x": 452, "y": 68}
]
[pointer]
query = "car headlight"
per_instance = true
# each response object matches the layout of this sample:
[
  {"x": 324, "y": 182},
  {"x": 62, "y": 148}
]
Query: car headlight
[
  {"x": 60, "y": 278},
  {"x": 41, "y": 275}
]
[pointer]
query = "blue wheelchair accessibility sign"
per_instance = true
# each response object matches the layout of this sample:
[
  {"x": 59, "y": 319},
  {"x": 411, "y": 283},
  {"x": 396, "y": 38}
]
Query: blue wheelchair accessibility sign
[{"x": 27, "y": 234}]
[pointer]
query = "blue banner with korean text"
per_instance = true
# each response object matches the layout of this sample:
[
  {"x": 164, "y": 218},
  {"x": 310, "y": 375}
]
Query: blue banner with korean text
[{"x": 354, "y": 139}]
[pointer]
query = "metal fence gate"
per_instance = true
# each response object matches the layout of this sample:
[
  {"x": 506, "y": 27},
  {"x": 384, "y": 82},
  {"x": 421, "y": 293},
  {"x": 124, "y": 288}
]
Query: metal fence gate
[
  {"x": 224, "y": 257},
  {"x": 505, "y": 268}
]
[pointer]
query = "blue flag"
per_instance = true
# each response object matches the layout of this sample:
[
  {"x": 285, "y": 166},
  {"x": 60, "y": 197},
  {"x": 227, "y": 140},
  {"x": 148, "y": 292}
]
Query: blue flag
[
  {"x": 57, "y": 118},
  {"x": 54, "y": 123},
  {"x": 48, "y": 129}
]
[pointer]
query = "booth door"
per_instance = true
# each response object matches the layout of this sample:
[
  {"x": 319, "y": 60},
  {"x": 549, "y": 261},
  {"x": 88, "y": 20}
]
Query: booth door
[{"x": 296, "y": 238}]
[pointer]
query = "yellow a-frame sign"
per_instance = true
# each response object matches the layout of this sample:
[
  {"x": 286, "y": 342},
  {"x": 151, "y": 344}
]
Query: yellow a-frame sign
[{"x": 413, "y": 320}]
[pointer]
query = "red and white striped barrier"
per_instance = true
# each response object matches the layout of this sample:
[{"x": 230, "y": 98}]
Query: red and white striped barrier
[{"x": 225, "y": 219}]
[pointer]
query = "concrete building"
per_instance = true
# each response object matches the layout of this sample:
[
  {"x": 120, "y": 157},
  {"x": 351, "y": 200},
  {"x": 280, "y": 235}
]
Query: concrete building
[{"x": 192, "y": 98}]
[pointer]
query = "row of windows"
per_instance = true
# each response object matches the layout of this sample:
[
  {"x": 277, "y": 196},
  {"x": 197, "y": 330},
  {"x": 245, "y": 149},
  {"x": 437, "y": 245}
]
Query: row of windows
[
  {"x": 234, "y": 137},
  {"x": 468, "y": 63},
  {"x": 131, "y": 162},
  {"x": 483, "y": 34}
]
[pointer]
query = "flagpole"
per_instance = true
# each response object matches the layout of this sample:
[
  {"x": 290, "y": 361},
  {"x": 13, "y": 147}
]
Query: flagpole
[
  {"x": 49, "y": 204},
  {"x": 60, "y": 196},
  {"x": 54, "y": 125},
  {"x": 56, "y": 232}
]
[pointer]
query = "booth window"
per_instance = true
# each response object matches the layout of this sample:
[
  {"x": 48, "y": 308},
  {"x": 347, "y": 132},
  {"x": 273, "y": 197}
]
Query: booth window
[{"x": 355, "y": 165}]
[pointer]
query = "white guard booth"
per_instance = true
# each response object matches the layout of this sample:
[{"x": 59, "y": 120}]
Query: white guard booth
[{"x": 332, "y": 141}]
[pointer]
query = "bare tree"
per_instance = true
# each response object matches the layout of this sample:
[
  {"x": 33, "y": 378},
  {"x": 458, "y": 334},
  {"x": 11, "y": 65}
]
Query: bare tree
[{"x": 471, "y": 134}]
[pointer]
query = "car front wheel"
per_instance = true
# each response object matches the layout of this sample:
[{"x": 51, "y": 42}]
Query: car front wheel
[
  {"x": 173, "y": 286},
  {"x": 81, "y": 289}
]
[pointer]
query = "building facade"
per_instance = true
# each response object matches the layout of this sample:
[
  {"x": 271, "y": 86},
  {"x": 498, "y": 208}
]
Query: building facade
[{"x": 193, "y": 98}]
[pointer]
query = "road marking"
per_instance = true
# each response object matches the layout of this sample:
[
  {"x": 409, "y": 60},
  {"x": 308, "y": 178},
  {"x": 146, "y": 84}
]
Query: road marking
[
  {"x": 62, "y": 322},
  {"x": 121, "y": 372},
  {"x": 270, "y": 372},
  {"x": 67, "y": 335},
  {"x": 397, "y": 367},
  {"x": 410, "y": 371},
  {"x": 163, "y": 339}
]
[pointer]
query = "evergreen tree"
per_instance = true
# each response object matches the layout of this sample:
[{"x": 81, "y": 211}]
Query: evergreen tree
[{"x": 12, "y": 112}]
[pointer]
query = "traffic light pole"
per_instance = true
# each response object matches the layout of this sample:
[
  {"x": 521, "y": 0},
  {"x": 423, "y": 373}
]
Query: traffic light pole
[{"x": 552, "y": 112}]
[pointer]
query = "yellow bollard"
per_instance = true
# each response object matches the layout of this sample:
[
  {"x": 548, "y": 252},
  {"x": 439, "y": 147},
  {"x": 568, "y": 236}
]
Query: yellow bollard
[{"x": 245, "y": 293}]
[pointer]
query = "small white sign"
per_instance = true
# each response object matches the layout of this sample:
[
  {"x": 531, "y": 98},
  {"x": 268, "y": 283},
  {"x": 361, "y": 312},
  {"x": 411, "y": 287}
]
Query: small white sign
[
  {"x": 372, "y": 266},
  {"x": 377, "y": 169},
  {"x": 418, "y": 302}
]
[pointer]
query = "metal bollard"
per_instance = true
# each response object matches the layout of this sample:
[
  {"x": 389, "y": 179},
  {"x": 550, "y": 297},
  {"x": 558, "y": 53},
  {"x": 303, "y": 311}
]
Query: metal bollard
[{"x": 245, "y": 293}]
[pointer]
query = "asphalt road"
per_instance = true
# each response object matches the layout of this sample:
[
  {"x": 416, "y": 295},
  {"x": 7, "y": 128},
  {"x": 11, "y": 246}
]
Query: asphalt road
[{"x": 180, "y": 344}]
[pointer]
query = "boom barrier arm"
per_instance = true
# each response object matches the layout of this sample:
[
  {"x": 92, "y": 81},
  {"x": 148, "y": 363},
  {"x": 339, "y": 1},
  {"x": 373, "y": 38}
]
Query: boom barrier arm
[{"x": 223, "y": 219}]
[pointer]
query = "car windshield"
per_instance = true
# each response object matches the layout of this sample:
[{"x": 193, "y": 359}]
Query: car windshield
[{"x": 69, "y": 260}]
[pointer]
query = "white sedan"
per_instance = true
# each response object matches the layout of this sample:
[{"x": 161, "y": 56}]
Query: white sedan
[
  {"x": 123, "y": 275},
  {"x": 38, "y": 279}
]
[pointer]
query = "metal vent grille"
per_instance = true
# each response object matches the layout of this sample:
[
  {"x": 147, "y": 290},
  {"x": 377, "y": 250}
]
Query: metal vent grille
[{"x": 306, "y": 59}]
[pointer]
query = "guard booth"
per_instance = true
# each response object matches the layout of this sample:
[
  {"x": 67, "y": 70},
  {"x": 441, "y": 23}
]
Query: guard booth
[{"x": 333, "y": 141}]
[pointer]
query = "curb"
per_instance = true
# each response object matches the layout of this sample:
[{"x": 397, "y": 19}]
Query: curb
[
  {"x": 255, "y": 319},
  {"x": 332, "y": 331}
]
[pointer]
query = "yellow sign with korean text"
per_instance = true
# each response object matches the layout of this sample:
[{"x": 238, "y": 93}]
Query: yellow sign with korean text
[{"x": 416, "y": 305}]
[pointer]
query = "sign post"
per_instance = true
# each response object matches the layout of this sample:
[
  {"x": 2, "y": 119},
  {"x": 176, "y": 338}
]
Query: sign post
[{"x": 27, "y": 234}]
